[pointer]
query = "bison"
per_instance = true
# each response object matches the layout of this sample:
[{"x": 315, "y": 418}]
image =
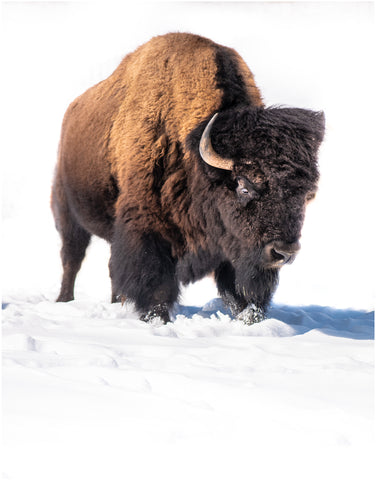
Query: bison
[{"x": 175, "y": 161}]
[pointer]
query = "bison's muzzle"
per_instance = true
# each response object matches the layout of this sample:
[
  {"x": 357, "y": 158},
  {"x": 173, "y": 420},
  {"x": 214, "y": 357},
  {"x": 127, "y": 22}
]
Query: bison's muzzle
[{"x": 277, "y": 253}]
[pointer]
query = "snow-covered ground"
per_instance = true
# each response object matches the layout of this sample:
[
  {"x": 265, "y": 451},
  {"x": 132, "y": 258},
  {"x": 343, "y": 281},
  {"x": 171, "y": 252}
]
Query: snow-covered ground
[{"x": 90, "y": 392}]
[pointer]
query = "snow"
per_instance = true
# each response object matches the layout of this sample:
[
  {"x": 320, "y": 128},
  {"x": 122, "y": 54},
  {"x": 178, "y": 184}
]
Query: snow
[{"x": 89, "y": 391}]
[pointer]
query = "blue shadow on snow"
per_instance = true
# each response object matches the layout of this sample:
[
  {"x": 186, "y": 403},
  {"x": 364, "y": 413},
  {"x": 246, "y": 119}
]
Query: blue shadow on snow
[{"x": 356, "y": 324}]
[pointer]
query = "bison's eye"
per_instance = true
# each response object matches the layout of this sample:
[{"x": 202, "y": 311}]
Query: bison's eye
[{"x": 246, "y": 191}]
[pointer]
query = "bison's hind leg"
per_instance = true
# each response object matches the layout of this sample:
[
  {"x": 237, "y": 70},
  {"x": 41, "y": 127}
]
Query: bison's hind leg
[{"x": 75, "y": 240}]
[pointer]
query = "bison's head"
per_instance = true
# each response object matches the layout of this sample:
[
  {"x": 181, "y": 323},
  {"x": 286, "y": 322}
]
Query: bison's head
[{"x": 262, "y": 164}]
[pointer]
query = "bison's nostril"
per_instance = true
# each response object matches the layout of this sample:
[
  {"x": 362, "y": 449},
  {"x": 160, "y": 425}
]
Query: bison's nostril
[{"x": 278, "y": 256}]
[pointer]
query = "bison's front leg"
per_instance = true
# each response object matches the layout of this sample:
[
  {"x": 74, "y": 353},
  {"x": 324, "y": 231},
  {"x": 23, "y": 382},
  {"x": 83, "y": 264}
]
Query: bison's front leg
[
  {"x": 257, "y": 285},
  {"x": 246, "y": 290},
  {"x": 142, "y": 270},
  {"x": 244, "y": 307}
]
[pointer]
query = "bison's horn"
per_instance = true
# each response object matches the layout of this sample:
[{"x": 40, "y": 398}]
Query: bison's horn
[{"x": 207, "y": 151}]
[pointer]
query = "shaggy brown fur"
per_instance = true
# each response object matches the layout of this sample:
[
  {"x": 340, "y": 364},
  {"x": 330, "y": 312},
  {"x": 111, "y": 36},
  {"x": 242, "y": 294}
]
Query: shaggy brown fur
[{"x": 129, "y": 171}]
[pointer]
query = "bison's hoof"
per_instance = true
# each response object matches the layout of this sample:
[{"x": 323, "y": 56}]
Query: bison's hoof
[
  {"x": 64, "y": 298},
  {"x": 251, "y": 315},
  {"x": 157, "y": 312}
]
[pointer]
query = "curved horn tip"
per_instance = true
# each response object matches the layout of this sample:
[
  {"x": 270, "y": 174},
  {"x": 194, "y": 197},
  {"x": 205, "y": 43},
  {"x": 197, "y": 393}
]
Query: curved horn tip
[{"x": 208, "y": 153}]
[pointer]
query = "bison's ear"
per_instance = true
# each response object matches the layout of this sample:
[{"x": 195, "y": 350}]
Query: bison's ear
[
  {"x": 306, "y": 124},
  {"x": 309, "y": 124},
  {"x": 318, "y": 124}
]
